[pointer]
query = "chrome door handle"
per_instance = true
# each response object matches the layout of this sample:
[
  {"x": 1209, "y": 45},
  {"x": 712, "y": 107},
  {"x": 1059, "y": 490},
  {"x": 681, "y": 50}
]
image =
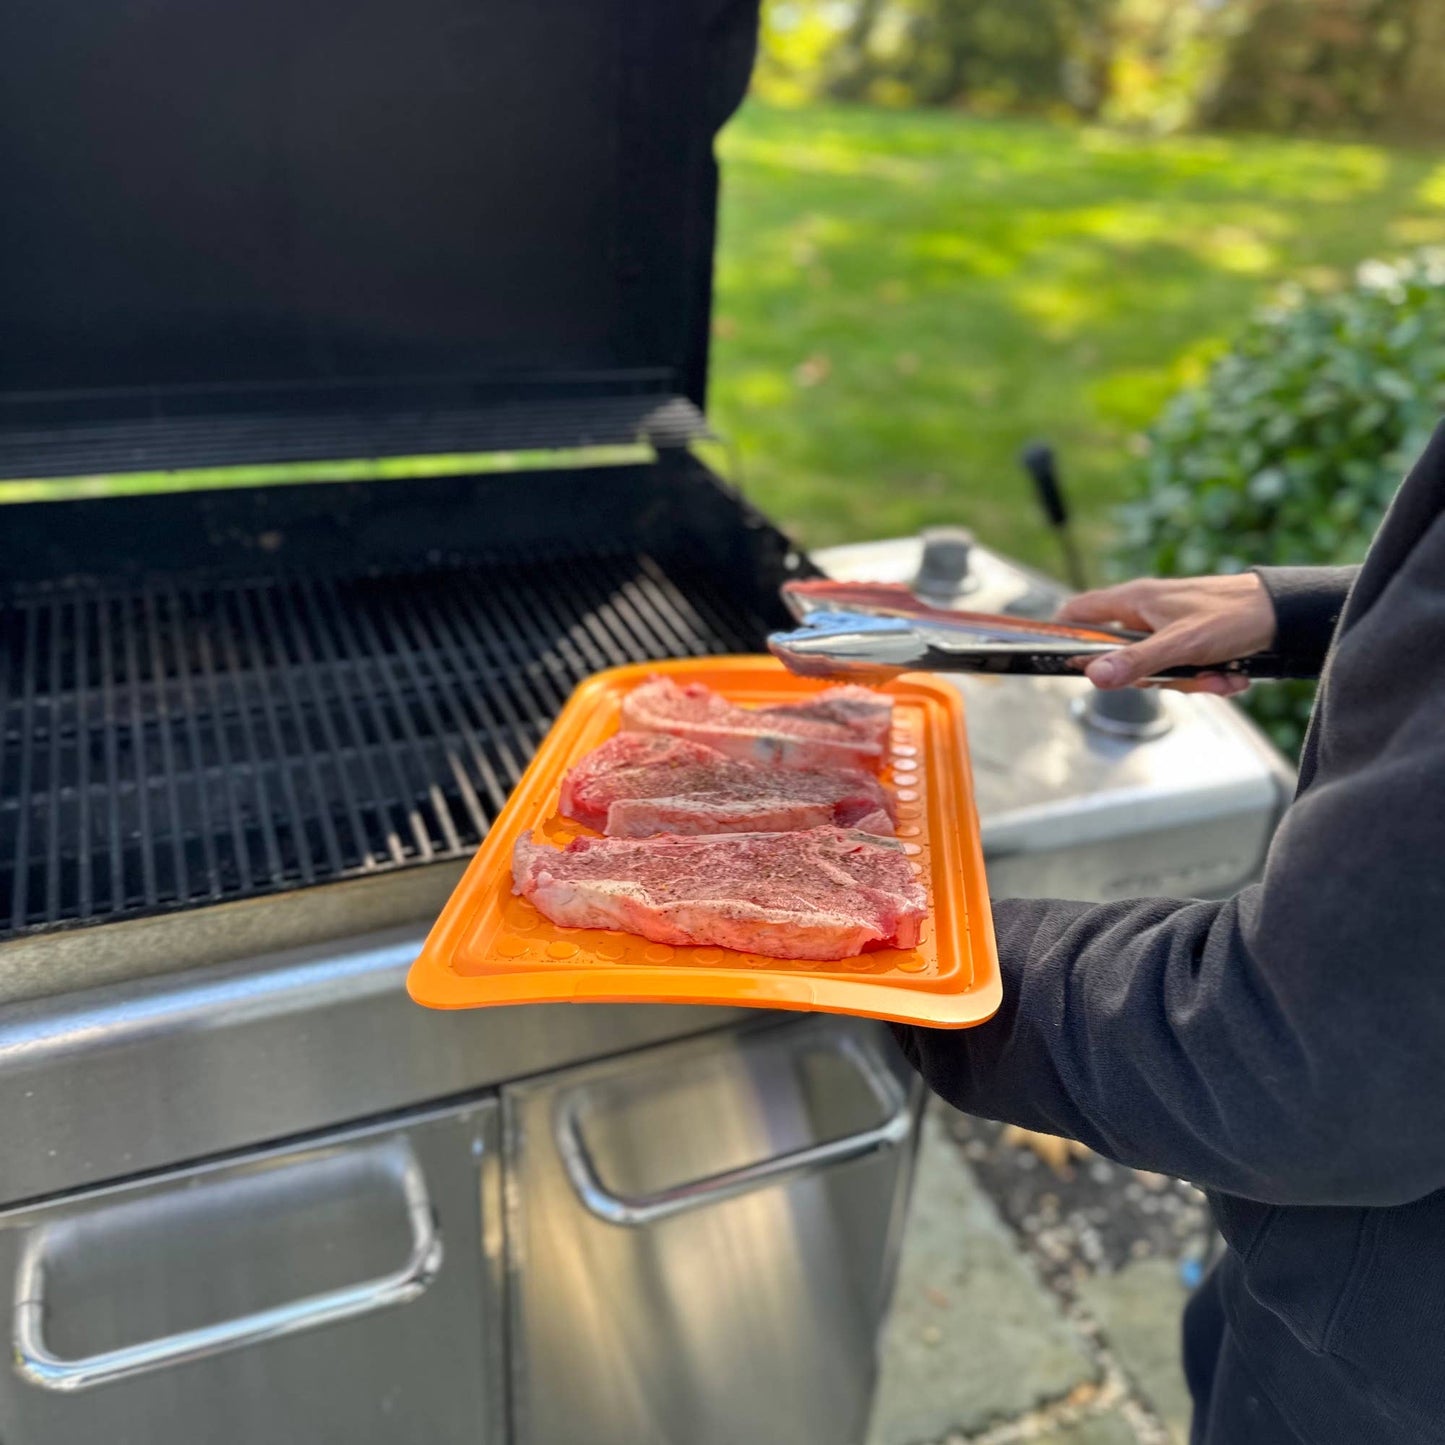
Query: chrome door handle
[
  {"x": 634, "y": 1210},
  {"x": 39, "y": 1364}
]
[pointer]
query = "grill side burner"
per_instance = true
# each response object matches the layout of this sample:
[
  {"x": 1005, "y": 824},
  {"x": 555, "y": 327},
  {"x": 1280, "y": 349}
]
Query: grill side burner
[{"x": 191, "y": 741}]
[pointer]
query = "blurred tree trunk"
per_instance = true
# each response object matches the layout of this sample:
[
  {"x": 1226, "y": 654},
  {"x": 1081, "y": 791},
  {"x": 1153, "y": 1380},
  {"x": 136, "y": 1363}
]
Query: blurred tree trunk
[
  {"x": 1089, "y": 30},
  {"x": 851, "y": 70},
  {"x": 949, "y": 44},
  {"x": 1419, "y": 106}
]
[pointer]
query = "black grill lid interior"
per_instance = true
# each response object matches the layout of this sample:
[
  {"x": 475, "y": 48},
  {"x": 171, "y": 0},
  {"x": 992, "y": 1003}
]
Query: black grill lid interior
[{"x": 232, "y": 228}]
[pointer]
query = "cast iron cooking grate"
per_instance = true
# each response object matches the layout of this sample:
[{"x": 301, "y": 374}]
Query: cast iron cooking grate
[{"x": 175, "y": 745}]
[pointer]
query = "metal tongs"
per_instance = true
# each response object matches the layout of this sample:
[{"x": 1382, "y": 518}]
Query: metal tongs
[{"x": 877, "y": 629}]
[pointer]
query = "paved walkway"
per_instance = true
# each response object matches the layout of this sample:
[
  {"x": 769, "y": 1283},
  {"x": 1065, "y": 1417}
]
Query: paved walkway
[{"x": 1031, "y": 1308}]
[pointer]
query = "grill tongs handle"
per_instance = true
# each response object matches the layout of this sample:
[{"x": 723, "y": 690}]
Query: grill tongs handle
[{"x": 878, "y": 629}]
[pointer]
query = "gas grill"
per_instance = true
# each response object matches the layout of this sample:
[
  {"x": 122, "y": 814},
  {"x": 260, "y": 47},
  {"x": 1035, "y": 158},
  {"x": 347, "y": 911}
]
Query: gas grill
[{"x": 252, "y": 726}]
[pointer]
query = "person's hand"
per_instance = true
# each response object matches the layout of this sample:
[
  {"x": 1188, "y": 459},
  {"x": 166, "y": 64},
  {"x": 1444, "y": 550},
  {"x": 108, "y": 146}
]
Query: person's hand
[{"x": 1192, "y": 621}]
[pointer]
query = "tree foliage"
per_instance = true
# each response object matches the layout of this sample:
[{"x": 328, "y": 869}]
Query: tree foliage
[{"x": 1371, "y": 67}]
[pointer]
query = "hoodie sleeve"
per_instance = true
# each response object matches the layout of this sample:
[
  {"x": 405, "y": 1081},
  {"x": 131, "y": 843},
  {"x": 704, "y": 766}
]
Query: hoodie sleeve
[
  {"x": 1283, "y": 1045},
  {"x": 1307, "y": 605}
]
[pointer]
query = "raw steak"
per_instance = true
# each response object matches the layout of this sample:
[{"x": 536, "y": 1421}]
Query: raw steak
[
  {"x": 842, "y": 727},
  {"x": 638, "y": 784},
  {"x": 825, "y": 894}
]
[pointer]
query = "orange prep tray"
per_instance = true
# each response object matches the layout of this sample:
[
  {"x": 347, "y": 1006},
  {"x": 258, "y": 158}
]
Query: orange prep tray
[{"x": 491, "y": 947}]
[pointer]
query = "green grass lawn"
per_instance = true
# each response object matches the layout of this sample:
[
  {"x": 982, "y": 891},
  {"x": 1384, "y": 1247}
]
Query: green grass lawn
[{"x": 904, "y": 299}]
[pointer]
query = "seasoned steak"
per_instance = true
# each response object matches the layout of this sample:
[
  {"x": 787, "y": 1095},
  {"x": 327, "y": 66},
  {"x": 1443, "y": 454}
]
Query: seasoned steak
[
  {"x": 824, "y": 894},
  {"x": 842, "y": 727},
  {"x": 638, "y": 784}
]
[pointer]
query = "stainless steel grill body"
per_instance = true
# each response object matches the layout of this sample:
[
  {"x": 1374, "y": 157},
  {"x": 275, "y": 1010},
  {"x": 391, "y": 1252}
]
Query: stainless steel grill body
[
  {"x": 694, "y": 1215},
  {"x": 243, "y": 761}
]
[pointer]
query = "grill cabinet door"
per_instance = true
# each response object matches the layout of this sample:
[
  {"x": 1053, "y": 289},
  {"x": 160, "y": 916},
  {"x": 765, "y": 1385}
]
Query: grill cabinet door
[
  {"x": 703, "y": 1237},
  {"x": 343, "y": 1291}
]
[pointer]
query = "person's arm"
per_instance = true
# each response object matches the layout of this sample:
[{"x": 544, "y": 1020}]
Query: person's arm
[
  {"x": 1285, "y": 1044},
  {"x": 1201, "y": 620}
]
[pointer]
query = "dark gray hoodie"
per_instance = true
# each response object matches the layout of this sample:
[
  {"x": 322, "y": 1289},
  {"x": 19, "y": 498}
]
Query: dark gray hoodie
[{"x": 1285, "y": 1049}]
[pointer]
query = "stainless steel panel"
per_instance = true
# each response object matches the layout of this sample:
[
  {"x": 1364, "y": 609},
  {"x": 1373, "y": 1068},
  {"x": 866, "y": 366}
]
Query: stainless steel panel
[
  {"x": 71, "y": 960},
  {"x": 1035, "y": 762},
  {"x": 346, "y": 1291},
  {"x": 894, "y": 1122},
  {"x": 718, "y": 1268},
  {"x": 1208, "y": 857},
  {"x": 75, "y": 1272},
  {"x": 267, "y": 1048}
]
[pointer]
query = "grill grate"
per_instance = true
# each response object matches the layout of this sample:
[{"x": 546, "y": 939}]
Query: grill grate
[{"x": 174, "y": 745}]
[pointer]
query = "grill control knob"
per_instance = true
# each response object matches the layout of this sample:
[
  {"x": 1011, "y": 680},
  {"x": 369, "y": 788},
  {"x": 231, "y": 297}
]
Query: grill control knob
[
  {"x": 1126, "y": 712},
  {"x": 943, "y": 571}
]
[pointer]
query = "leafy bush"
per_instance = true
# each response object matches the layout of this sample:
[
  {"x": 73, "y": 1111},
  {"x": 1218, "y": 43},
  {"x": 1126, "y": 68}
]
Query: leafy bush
[{"x": 1290, "y": 450}]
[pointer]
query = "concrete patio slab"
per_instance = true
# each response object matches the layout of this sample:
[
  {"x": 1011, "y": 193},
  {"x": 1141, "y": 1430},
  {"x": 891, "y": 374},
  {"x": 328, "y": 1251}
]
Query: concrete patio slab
[
  {"x": 1139, "y": 1310},
  {"x": 975, "y": 1337}
]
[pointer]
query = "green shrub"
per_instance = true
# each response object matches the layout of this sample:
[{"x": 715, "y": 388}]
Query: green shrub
[{"x": 1290, "y": 450}]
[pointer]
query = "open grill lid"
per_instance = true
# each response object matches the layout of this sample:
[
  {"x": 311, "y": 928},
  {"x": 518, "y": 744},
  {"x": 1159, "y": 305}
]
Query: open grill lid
[{"x": 250, "y": 231}]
